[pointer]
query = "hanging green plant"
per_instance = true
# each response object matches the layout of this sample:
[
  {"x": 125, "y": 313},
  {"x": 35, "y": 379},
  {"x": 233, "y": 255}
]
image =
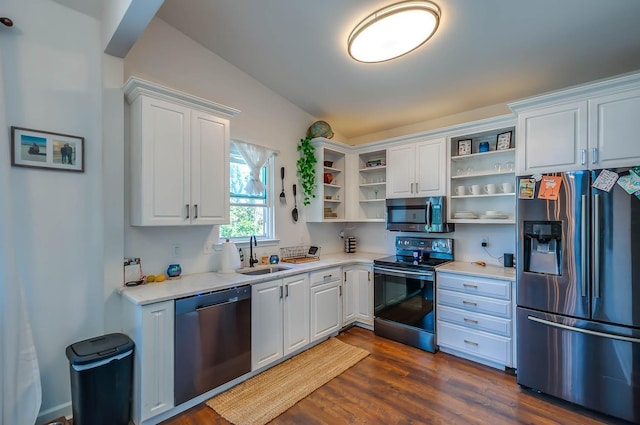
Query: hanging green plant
[{"x": 306, "y": 166}]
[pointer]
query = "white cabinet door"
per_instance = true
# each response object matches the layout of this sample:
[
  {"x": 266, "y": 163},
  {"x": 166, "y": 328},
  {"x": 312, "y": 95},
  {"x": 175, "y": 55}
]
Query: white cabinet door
[
  {"x": 364, "y": 295},
  {"x": 326, "y": 312},
  {"x": 431, "y": 160},
  {"x": 160, "y": 163},
  {"x": 552, "y": 139},
  {"x": 151, "y": 329},
  {"x": 400, "y": 171},
  {"x": 349, "y": 296},
  {"x": 266, "y": 323},
  {"x": 296, "y": 312},
  {"x": 357, "y": 295},
  {"x": 209, "y": 168},
  {"x": 614, "y": 126}
]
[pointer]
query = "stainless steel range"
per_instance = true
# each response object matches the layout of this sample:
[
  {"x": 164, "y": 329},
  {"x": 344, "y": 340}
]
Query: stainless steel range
[{"x": 404, "y": 290}]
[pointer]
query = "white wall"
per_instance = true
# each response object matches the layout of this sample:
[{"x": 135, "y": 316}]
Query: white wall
[
  {"x": 165, "y": 55},
  {"x": 52, "y": 68}
]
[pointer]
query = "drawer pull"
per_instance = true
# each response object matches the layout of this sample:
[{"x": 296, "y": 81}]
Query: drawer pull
[
  {"x": 470, "y": 321},
  {"x": 470, "y": 303},
  {"x": 475, "y": 344},
  {"x": 468, "y": 285},
  {"x": 327, "y": 276}
]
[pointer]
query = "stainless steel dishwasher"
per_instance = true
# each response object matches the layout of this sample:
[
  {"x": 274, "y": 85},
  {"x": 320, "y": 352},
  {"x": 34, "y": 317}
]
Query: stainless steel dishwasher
[{"x": 212, "y": 340}]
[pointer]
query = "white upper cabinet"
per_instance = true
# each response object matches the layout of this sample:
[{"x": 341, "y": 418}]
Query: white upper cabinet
[
  {"x": 179, "y": 157},
  {"x": 587, "y": 127},
  {"x": 553, "y": 139},
  {"x": 417, "y": 169},
  {"x": 614, "y": 127}
]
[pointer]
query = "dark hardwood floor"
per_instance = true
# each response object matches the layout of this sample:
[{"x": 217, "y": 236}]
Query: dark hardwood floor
[{"x": 398, "y": 384}]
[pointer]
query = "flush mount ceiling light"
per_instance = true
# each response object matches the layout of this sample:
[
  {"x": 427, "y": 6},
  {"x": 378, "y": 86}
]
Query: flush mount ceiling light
[{"x": 393, "y": 31}]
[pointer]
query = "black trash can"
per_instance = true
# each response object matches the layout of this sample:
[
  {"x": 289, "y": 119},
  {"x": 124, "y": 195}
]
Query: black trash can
[{"x": 101, "y": 380}]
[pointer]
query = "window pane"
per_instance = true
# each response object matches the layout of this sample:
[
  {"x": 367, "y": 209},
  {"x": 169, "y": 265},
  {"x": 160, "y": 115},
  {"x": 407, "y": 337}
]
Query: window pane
[{"x": 245, "y": 221}]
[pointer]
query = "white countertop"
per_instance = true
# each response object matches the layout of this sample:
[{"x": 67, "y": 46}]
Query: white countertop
[
  {"x": 192, "y": 284},
  {"x": 470, "y": 268}
]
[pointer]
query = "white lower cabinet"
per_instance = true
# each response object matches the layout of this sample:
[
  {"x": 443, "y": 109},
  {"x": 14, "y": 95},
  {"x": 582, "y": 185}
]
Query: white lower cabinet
[
  {"x": 279, "y": 319},
  {"x": 357, "y": 295},
  {"x": 326, "y": 303},
  {"x": 151, "y": 327},
  {"x": 475, "y": 318}
]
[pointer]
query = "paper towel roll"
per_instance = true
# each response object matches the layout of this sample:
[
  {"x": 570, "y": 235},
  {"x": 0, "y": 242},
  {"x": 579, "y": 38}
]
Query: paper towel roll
[{"x": 229, "y": 258}]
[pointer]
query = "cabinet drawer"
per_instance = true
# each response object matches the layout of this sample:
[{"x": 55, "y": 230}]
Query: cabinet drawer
[
  {"x": 474, "y": 303},
  {"x": 325, "y": 276},
  {"x": 475, "y": 285},
  {"x": 482, "y": 322},
  {"x": 481, "y": 344}
]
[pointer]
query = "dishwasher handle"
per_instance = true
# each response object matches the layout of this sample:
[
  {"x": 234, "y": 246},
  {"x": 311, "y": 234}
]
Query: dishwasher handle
[
  {"x": 199, "y": 302},
  {"x": 216, "y": 304}
]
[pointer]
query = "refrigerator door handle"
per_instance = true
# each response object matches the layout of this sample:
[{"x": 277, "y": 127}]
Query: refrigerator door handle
[
  {"x": 584, "y": 331},
  {"x": 596, "y": 246},
  {"x": 583, "y": 245}
]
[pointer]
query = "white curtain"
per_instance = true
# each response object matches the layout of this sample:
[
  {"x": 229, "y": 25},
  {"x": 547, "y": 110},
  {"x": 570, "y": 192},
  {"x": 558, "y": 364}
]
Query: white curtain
[
  {"x": 255, "y": 156},
  {"x": 20, "y": 389}
]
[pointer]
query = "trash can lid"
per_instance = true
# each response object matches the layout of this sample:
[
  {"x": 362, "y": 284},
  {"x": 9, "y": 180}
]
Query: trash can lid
[{"x": 98, "y": 348}]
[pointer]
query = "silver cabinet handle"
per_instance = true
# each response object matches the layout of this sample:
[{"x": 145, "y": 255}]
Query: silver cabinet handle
[
  {"x": 596, "y": 246},
  {"x": 327, "y": 276},
  {"x": 594, "y": 155},
  {"x": 187, "y": 208},
  {"x": 340, "y": 288},
  {"x": 411, "y": 187},
  {"x": 470, "y": 321},
  {"x": 281, "y": 292},
  {"x": 475, "y": 344},
  {"x": 583, "y": 156},
  {"x": 469, "y": 303},
  {"x": 369, "y": 276},
  {"x": 417, "y": 187},
  {"x": 468, "y": 285},
  {"x": 195, "y": 211},
  {"x": 286, "y": 291}
]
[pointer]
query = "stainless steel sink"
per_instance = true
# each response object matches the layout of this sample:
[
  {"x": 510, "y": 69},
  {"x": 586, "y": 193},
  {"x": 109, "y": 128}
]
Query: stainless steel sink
[{"x": 265, "y": 270}]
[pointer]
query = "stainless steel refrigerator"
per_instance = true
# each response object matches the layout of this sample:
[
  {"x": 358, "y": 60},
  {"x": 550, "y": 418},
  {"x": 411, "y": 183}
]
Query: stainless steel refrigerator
[{"x": 578, "y": 296}]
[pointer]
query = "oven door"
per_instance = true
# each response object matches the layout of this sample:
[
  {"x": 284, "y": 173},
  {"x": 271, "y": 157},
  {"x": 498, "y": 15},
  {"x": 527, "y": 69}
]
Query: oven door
[{"x": 404, "y": 306}]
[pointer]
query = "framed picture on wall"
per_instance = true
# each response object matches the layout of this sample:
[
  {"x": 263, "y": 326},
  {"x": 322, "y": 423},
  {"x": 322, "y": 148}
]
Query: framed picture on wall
[
  {"x": 44, "y": 149},
  {"x": 464, "y": 147},
  {"x": 504, "y": 141}
]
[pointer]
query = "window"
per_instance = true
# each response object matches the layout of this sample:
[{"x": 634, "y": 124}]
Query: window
[{"x": 251, "y": 214}]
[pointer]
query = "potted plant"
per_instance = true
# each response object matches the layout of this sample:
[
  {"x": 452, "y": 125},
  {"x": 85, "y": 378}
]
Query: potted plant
[{"x": 306, "y": 169}]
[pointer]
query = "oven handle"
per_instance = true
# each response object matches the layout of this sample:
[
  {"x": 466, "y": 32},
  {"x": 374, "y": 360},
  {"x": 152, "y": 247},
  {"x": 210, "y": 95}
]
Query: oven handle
[{"x": 393, "y": 272}]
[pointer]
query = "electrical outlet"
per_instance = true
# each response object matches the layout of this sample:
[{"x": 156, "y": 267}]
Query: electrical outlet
[
  {"x": 485, "y": 241},
  {"x": 208, "y": 248},
  {"x": 176, "y": 250}
]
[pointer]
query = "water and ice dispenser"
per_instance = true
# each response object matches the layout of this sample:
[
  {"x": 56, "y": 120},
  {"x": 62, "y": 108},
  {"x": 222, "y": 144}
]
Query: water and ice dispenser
[{"x": 542, "y": 247}]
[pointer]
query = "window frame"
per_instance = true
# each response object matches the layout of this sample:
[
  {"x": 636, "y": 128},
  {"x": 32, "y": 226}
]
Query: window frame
[{"x": 270, "y": 225}]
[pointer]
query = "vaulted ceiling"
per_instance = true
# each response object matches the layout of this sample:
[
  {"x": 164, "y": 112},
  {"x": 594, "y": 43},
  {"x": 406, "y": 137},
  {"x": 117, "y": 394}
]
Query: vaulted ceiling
[{"x": 485, "y": 52}]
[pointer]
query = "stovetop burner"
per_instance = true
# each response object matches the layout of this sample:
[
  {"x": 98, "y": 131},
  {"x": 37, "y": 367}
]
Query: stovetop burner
[
  {"x": 407, "y": 262},
  {"x": 419, "y": 253}
]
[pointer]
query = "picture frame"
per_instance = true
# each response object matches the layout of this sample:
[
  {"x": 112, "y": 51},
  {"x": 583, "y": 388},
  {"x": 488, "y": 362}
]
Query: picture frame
[
  {"x": 503, "y": 141},
  {"x": 464, "y": 147},
  {"x": 45, "y": 149}
]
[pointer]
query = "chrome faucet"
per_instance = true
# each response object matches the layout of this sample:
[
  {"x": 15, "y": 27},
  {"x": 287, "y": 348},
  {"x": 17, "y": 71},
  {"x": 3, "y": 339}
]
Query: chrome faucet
[{"x": 252, "y": 242}]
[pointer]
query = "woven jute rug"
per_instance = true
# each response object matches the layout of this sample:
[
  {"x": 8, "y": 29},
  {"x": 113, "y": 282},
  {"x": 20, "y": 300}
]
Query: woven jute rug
[{"x": 262, "y": 398}]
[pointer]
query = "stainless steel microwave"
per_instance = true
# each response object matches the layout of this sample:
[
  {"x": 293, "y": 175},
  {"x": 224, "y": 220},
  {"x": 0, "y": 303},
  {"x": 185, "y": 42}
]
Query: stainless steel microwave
[{"x": 427, "y": 215}]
